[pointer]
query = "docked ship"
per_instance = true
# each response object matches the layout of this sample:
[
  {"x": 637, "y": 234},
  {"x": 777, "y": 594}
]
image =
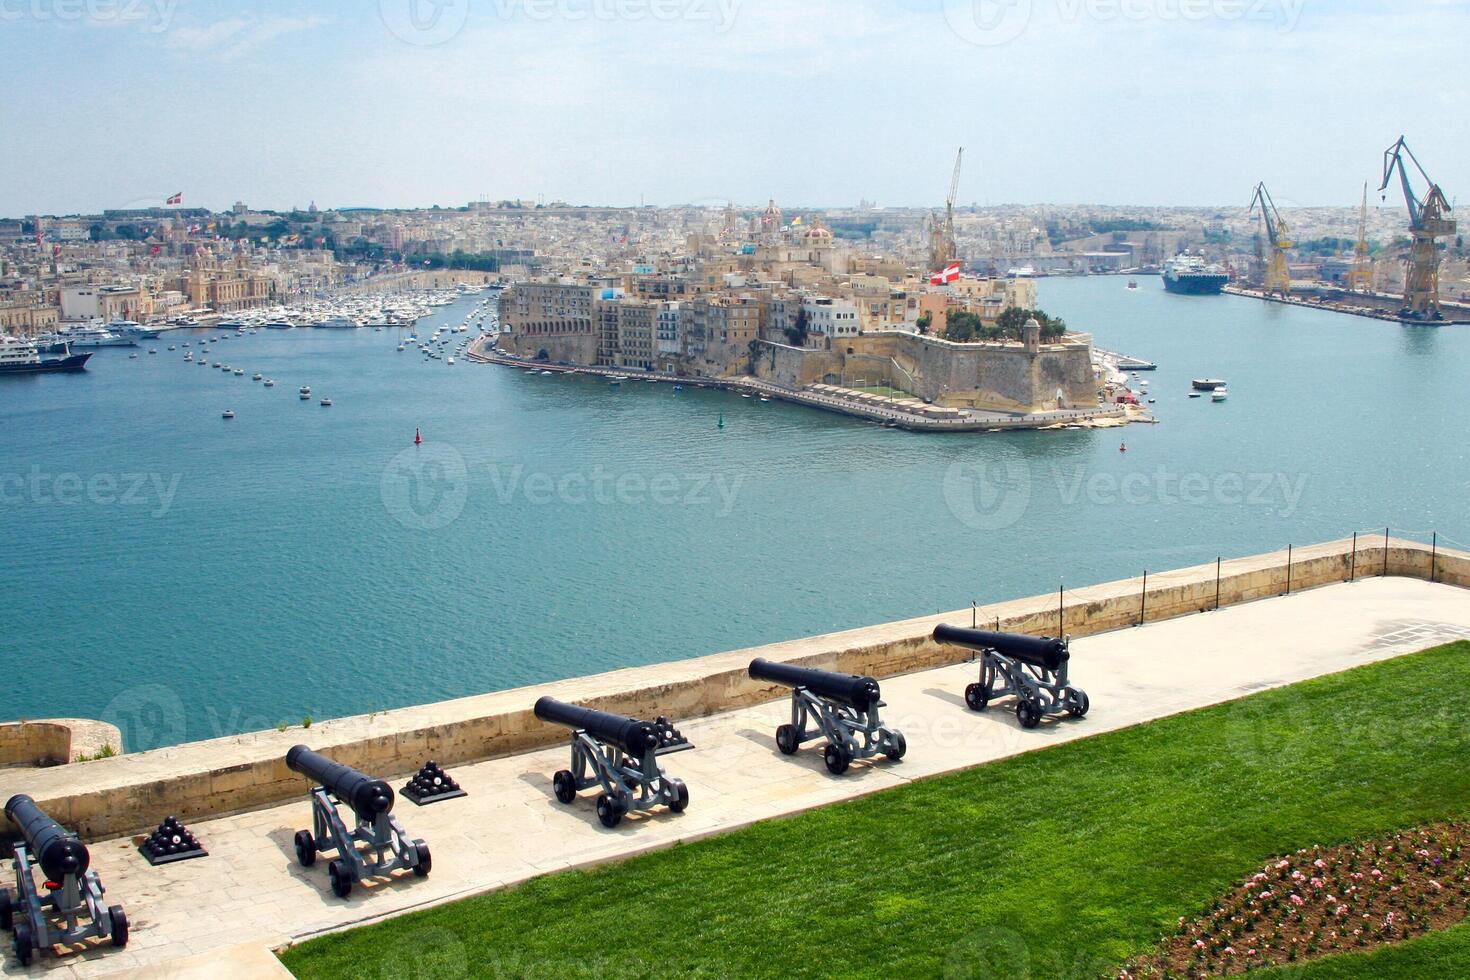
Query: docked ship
[
  {"x": 1191, "y": 275},
  {"x": 20, "y": 356}
]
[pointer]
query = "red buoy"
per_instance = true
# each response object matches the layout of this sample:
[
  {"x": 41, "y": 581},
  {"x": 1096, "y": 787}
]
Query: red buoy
[
  {"x": 1122, "y": 447},
  {"x": 418, "y": 440}
]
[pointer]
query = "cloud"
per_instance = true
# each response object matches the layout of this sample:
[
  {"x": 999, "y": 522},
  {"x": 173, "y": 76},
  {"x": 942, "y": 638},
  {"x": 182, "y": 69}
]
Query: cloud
[{"x": 235, "y": 38}]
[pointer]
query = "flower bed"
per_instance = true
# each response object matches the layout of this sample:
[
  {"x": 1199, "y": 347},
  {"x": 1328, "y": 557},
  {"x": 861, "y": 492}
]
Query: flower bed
[{"x": 1320, "y": 901}]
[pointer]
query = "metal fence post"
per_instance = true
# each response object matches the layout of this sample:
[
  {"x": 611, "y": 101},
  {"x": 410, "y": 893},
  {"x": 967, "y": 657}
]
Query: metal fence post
[
  {"x": 1288, "y": 569},
  {"x": 1217, "y": 583},
  {"x": 974, "y": 611},
  {"x": 1143, "y": 598},
  {"x": 1353, "y": 568},
  {"x": 1433, "y": 555},
  {"x": 1061, "y": 615},
  {"x": 1384, "y": 573}
]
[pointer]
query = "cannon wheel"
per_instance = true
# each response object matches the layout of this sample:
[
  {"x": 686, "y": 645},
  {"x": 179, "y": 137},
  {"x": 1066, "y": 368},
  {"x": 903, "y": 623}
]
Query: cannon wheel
[
  {"x": 21, "y": 941},
  {"x": 681, "y": 796},
  {"x": 305, "y": 848},
  {"x": 977, "y": 697},
  {"x": 1028, "y": 713},
  {"x": 897, "y": 746},
  {"x": 1078, "y": 708},
  {"x": 6, "y": 909},
  {"x": 564, "y": 785},
  {"x": 786, "y": 739},
  {"x": 340, "y": 878},
  {"x": 837, "y": 759},
  {"x": 609, "y": 811},
  {"x": 426, "y": 860},
  {"x": 117, "y": 919}
]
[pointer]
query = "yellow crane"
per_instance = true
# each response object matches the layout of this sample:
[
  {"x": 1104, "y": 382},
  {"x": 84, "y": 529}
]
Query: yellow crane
[
  {"x": 942, "y": 250},
  {"x": 1428, "y": 219},
  {"x": 1360, "y": 279},
  {"x": 1278, "y": 276}
]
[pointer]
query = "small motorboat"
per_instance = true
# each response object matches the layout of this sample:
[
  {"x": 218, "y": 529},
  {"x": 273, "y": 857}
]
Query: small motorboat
[
  {"x": 1195, "y": 394},
  {"x": 269, "y": 383},
  {"x": 131, "y": 356},
  {"x": 1219, "y": 395},
  {"x": 326, "y": 403},
  {"x": 401, "y": 348},
  {"x": 239, "y": 373},
  {"x": 305, "y": 389},
  {"x": 544, "y": 374},
  {"x": 171, "y": 347},
  {"x": 450, "y": 361},
  {"x": 258, "y": 377},
  {"x": 305, "y": 396},
  {"x": 1132, "y": 283},
  {"x": 228, "y": 414}
]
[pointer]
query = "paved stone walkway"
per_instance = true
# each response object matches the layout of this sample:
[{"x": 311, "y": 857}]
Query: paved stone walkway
[{"x": 250, "y": 890}]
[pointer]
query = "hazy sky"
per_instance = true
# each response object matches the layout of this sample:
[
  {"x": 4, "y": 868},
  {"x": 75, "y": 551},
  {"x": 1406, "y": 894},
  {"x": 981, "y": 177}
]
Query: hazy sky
[{"x": 116, "y": 103}]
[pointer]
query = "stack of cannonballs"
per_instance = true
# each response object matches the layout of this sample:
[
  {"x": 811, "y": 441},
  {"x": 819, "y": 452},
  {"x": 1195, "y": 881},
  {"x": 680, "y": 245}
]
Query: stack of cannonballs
[
  {"x": 172, "y": 841},
  {"x": 432, "y": 784}
]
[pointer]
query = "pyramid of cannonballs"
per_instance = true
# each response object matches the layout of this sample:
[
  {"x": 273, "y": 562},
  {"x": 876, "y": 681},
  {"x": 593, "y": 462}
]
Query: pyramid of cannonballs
[
  {"x": 432, "y": 784},
  {"x": 172, "y": 841}
]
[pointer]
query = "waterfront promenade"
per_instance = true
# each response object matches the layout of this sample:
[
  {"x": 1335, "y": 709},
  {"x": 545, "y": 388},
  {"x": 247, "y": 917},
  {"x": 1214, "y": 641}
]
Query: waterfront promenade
[
  {"x": 909, "y": 414},
  {"x": 249, "y": 892}
]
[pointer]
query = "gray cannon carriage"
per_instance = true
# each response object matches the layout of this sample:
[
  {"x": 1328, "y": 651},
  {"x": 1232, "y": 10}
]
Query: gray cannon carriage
[
  {"x": 620, "y": 755},
  {"x": 71, "y": 908},
  {"x": 387, "y": 847},
  {"x": 1033, "y": 668},
  {"x": 842, "y": 708}
]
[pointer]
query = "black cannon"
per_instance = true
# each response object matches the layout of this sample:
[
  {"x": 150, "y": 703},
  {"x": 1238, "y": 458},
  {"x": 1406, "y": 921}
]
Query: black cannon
[
  {"x": 371, "y": 803},
  {"x": 843, "y": 708},
  {"x": 618, "y": 754},
  {"x": 1033, "y": 668},
  {"x": 71, "y": 909}
]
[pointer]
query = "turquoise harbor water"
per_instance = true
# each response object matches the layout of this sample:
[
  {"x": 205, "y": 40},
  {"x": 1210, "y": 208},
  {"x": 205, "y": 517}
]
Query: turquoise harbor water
[{"x": 186, "y": 576}]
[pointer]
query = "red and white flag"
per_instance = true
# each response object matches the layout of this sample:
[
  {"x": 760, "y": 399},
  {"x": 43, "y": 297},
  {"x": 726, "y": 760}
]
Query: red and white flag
[
  {"x": 176, "y": 199},
  {"x": 949, "y": 273}
]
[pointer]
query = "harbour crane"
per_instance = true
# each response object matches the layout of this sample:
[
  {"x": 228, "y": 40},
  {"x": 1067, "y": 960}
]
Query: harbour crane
[
  {"x": 1360, "y": 279},
  {"x": 1428, "y": 220},
  {"x": 1278, "y": 276},
  {"x": 942, "y": 250}
]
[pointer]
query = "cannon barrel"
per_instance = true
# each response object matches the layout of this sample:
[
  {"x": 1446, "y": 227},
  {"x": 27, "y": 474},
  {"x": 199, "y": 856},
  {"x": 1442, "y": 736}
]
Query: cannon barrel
[
  {"x": 58, "y": 851},
  {"x": 633, "y": 736},
  {"x": 856, "y": 690},
  {"x": 367, "y": 796},
  {"x": 1040, "y": 651}
]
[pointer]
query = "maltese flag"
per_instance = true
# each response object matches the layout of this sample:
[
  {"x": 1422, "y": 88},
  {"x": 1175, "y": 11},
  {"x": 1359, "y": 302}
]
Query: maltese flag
[{"x": 949, "y": 273}]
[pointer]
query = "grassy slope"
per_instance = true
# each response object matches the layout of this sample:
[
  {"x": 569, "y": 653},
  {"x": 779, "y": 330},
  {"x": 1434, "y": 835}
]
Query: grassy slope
[
  {"x": 1061, "y": 863},
  {"x": 1437, "y": 954}
]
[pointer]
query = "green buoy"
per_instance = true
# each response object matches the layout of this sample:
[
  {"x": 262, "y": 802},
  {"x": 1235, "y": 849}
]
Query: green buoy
[{"x": 722, "y": 419}]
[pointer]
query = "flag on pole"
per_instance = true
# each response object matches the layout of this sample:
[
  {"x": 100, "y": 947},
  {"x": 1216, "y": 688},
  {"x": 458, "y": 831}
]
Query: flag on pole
[
  {"x": 176, "y": 199},
  {"x": 949, "y": 273},
  {"x": 796, "y": 221}
]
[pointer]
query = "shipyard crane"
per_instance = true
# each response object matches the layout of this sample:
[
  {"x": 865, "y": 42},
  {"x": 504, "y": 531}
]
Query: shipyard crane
[
  {"x": 942, "y": 250},
  {"x": 1360, "y": 279},
  {"x": 1278, "y": 276},
  {"x": 1428, "y": 220}
]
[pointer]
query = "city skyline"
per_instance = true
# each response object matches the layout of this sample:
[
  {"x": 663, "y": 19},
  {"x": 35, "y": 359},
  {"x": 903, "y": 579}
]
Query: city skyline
[{"x": 1138, "y": 103}]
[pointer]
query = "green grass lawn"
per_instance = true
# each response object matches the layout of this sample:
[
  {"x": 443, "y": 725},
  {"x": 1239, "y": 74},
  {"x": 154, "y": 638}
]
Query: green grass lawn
[
  {"x": 1437, "y": 954},
  {"x": 1059, "y": 863}
]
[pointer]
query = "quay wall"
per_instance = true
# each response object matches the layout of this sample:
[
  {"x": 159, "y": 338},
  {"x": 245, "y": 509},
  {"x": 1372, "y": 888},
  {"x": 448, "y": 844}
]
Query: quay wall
[{"x": 132, "y": 793}]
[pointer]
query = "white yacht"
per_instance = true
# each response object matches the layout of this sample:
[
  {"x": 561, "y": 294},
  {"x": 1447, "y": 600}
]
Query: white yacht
[
  {"x": 338, "y": 323},
  {"x": 96, "y": 336}
]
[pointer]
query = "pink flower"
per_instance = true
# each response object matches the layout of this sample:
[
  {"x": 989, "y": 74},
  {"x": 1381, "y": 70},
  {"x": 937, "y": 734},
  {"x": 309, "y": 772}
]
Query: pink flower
[
  {"x": 1316, "y": 883},
  {"x": 1229, "y": 950},
  {"x": 1259, "y": 876},
  {"x": 1376, "y": 873},
  {"x": 1319, "y": 864},
  {"x": 1199, "y": 944},
  {"x": 1265, "y": 895},
  {"x": 1297, "y": 900},
  {"x": 1283, "y": 863}
]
